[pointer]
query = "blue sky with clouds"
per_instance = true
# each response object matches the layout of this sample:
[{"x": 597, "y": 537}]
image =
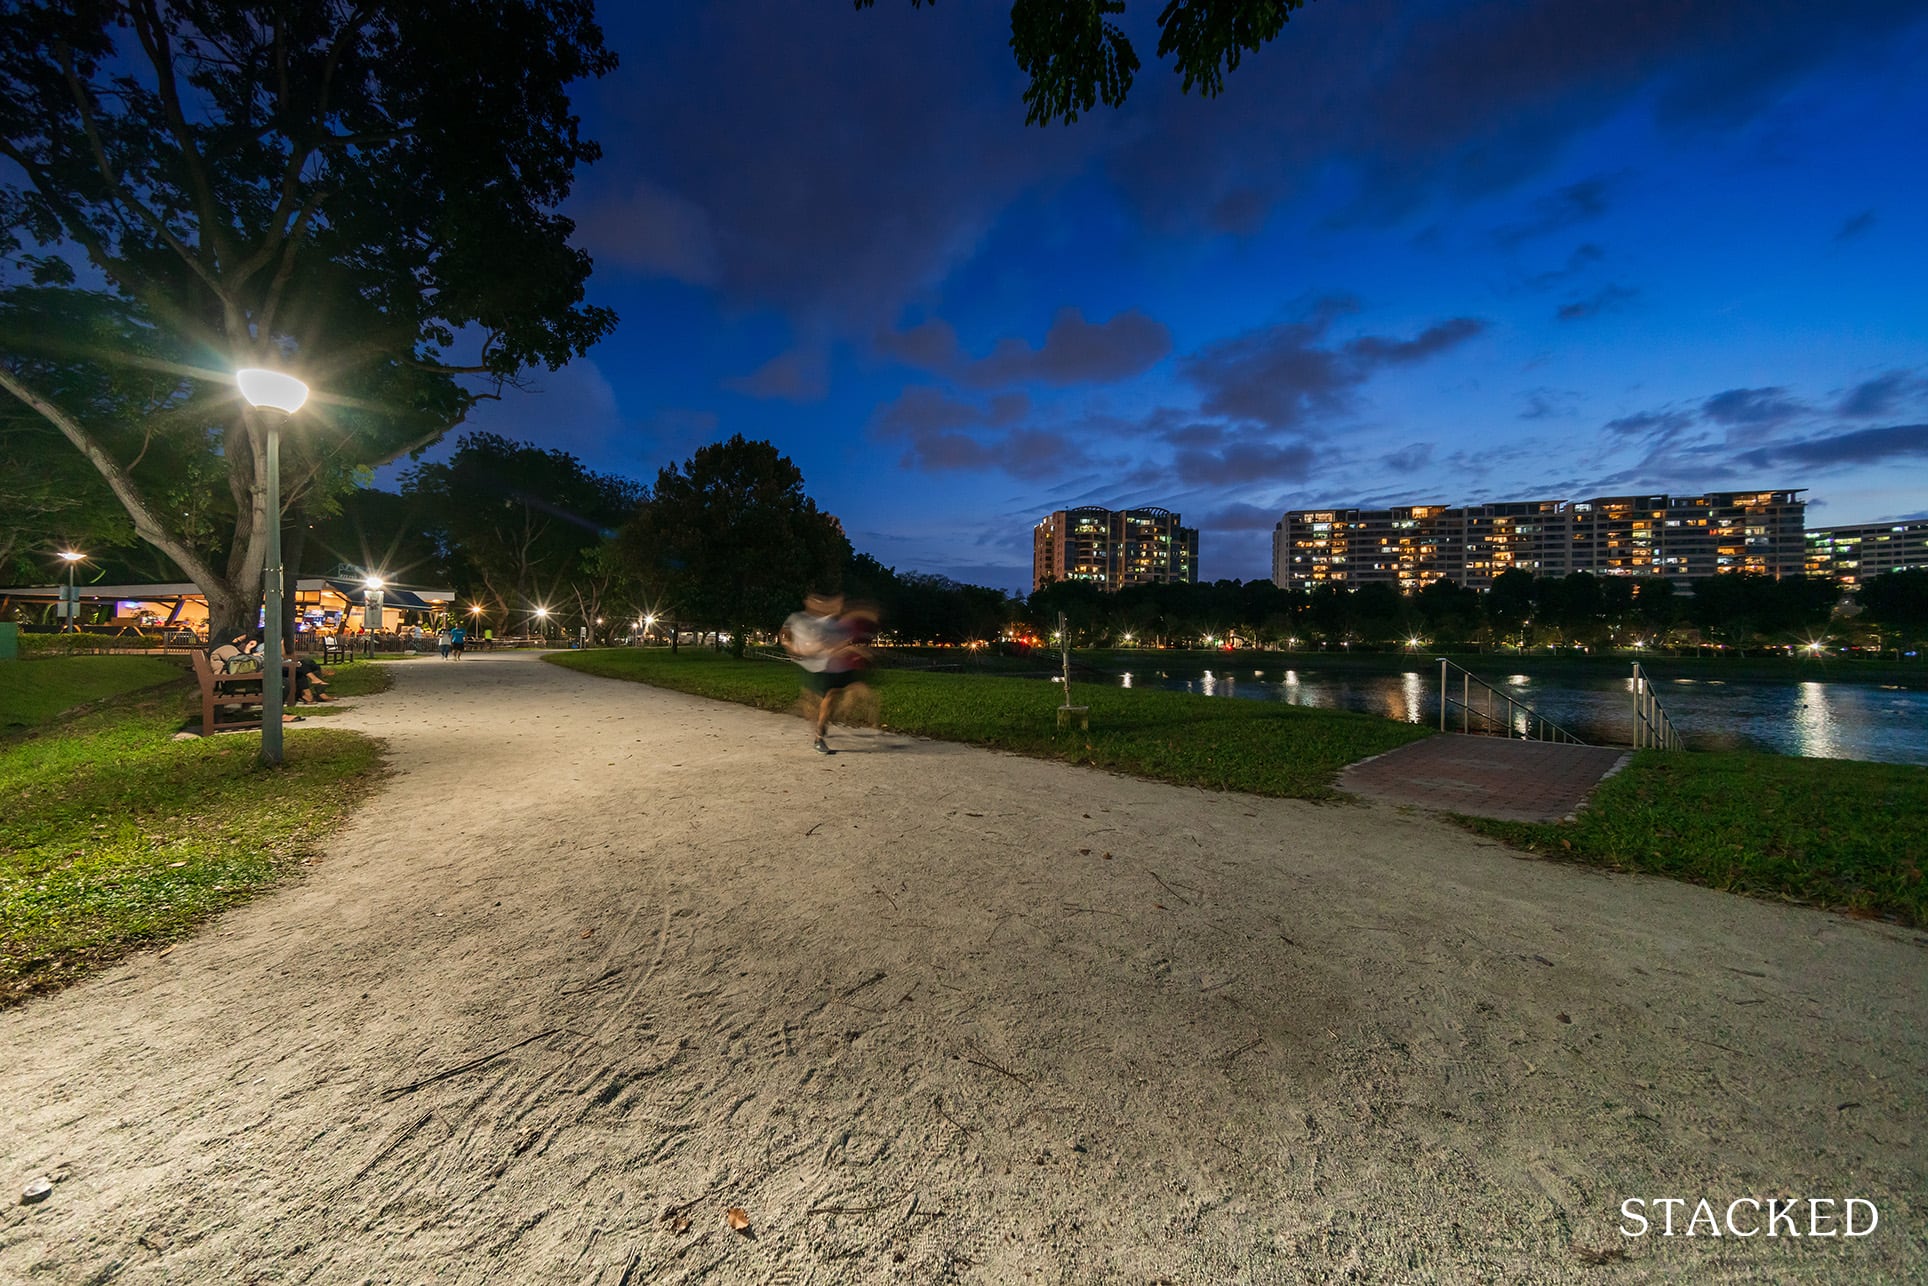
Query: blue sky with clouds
[{"x": 1419, "y": 250}]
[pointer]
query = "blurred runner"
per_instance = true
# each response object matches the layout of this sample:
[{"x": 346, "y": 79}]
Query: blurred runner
[{"x": 813, "y": 638}]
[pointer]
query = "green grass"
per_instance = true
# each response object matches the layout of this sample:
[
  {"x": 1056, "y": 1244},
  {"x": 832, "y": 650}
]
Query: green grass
[
  {"x": 33, "y": 692},
  {"x": 115, "y": 836},
  {"x": 1827, "y": 832},
  {"x": 1258, "y": 747}
]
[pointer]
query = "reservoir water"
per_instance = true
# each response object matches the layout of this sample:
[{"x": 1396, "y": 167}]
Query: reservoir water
[{"x": 1883, "y": 722}]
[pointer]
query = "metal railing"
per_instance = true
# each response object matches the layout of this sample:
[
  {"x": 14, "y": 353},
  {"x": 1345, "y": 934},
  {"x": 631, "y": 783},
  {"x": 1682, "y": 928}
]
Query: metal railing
[
  {"x": 1652, "y": 729},
  {"x": 1518, "y": 720}
]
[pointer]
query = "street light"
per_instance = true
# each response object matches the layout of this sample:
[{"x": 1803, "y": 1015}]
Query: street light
[
  {"x": 282, "y": 394},
  {"x": 73, "y": 559}
]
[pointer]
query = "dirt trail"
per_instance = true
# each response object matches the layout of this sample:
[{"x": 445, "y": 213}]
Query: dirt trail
[{"x": 931, "y": 1013}]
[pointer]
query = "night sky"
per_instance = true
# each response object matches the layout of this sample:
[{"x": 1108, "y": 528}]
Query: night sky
[{"x": 1417, "y": 252}]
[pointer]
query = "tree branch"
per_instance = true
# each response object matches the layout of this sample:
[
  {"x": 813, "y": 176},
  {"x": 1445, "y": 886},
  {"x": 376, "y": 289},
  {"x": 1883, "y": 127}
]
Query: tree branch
[
  {"x": 118, "y": 189},
  {"x": 146, "y": 525},
  {"x": 153, "y": 37}
]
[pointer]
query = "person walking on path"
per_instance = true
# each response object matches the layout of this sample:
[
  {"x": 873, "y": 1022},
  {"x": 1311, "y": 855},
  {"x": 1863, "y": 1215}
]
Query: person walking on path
[
  {"x": 458, "y": 639},
  {"x": 442, "y": 643},
  {"x": 813, "y": 637}
]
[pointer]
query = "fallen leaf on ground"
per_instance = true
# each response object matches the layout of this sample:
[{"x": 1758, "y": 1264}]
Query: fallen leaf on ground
[
  {"x": 586, "y": 932},
  {"x": 737, "y": 1219}
]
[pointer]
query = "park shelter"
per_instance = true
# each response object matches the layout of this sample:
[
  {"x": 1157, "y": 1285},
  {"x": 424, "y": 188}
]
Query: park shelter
[{"x": 323, "y": 604}]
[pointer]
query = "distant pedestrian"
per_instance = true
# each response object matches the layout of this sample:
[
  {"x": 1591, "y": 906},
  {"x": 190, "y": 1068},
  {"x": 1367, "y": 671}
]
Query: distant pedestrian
[
  {"x": 443, "y": 643},
  {"x": 813, "y": 637},
  {"x": 458, "y": 639}
]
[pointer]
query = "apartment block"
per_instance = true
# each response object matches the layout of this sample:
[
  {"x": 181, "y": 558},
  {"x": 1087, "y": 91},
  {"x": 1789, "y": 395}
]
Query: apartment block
[
  {"x": 1681, "y": 537},
  {"x": 1114, "y": 547},
  {"x": 1852, "y": 554}
]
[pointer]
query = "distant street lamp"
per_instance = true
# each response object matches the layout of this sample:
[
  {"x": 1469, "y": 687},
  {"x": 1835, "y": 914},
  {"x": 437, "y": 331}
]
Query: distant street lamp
[
  {"x": 73, "y": 558},
  {"x": 282, "y": 395}
]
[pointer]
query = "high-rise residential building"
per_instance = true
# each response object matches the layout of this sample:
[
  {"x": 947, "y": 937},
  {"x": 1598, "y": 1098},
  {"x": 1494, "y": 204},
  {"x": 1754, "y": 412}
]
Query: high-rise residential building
[
  {"x": 1114, "y": 547},
  {"x": 1680, "y": 537},
  {"x": 1852, "y": 554}
]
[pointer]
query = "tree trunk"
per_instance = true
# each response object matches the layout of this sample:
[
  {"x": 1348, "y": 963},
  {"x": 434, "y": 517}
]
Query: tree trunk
[{"x": 294, "y": 543}]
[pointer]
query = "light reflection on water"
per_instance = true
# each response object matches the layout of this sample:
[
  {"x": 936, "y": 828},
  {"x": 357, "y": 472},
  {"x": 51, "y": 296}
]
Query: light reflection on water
[{"x": 1881, "y": 722}]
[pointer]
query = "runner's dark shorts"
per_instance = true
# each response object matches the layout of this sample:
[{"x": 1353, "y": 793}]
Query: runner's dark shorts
[{"x": 823, "y": 682}]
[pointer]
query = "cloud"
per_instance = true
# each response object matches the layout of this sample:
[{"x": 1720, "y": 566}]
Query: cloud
[
  {"x": 651, "y": 231},
  {"x": 1603, "y": 300},
  {"x": 1075, "y": 351},
  {"x": 799, "y": 375},
  {"x": 1409, "y": 459},
  {"x": 1584, "y": 256},
  {"x": 1858, "y": 446},
  {"x": 1242, "y": 517},
  {"x": 1651, "y": 424},
  {"x": 842, "y": 161},
  {"x": 1573, "y": 204},
  {"x": 1244, "y": 463},
  {"x": 931, "y": 345},
  {"x": 1468, "y": 99},
  {"x": 1281, "y": 376},
  {"x": 1752, "y": 407},
  {"x": 1549, "y": 403},
  {"x": 942, "y": 433},
  {"x": 1855, "y": 226},
  {"x": 1880, "y": 396}
]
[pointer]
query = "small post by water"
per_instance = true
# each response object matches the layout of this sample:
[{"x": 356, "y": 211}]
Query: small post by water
[{"x": 1067, "y": 712}]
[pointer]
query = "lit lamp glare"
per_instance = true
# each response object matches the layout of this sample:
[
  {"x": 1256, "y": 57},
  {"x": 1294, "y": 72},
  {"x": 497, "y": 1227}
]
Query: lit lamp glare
[{"x": 271, "y": 389}]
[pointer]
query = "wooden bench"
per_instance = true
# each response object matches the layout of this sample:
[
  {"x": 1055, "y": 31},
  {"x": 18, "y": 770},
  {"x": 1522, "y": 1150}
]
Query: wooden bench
[{"x": 230, "y": 702}]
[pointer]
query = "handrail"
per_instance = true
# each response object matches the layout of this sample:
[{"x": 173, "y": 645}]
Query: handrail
[
  {"x": 1652, "y": 729},
  {"x": 1537, "y": 727}
]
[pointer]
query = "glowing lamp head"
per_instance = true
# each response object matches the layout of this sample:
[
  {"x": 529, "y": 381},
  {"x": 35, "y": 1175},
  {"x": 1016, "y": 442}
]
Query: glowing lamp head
[
  {"x": 542, "y": 611},
  {"x": 373, "y": 582},
  {"x": 72, "y": 555},
  {"x": 271, "y": 389}
]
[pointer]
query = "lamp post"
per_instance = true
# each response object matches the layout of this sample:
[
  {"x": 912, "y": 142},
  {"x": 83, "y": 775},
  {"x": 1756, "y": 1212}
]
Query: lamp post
[
  {"x": 371, "y": 612},
  {"x": 281, "y": 395},
  {"x": 73, "y": 558}
]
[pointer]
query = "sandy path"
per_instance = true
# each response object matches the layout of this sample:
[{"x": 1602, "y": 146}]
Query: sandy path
[{"x": 931, "y": 1013}]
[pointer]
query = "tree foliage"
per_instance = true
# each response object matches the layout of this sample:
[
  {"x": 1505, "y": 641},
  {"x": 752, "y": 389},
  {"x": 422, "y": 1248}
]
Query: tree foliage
[
  {"x": 1078, "y": 55},
  {"x": 520, "y": 527},
  {"x": 730, "y": 541},
  {"x": 362, "y": 194}
]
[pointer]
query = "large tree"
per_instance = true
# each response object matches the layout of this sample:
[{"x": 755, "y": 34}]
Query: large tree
[
  {"x": 1077, "y": 55},
  {"x": 521, "y": 527},
  {"x": 363, "y": 194},
  {"x": 729, "y": 541}
]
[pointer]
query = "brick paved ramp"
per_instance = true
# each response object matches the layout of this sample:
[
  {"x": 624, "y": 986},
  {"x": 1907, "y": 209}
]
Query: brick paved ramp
[{"x": 1515, "y": 781}]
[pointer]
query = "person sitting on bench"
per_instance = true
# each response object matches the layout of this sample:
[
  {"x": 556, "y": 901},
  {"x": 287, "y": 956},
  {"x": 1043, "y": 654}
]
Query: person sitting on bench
[{"x": 308, "y": 676}]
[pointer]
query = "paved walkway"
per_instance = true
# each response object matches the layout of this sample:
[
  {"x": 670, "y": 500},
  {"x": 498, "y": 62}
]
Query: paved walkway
[{"x": 1514, "y": 781}]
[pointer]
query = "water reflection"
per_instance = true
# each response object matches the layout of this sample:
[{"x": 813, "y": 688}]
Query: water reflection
[
  {"x": 1824, "y": 720},
  {"x": 1814, "y": 723}
]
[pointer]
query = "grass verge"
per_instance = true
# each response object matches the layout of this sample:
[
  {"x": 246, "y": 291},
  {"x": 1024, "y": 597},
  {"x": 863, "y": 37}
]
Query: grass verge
[
  {"x": 33, "y": 692},
  {"x": 1827, "y": 832},
  {"x": 115, "y": 836},
  {"x": 1259, "y": 747}
]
